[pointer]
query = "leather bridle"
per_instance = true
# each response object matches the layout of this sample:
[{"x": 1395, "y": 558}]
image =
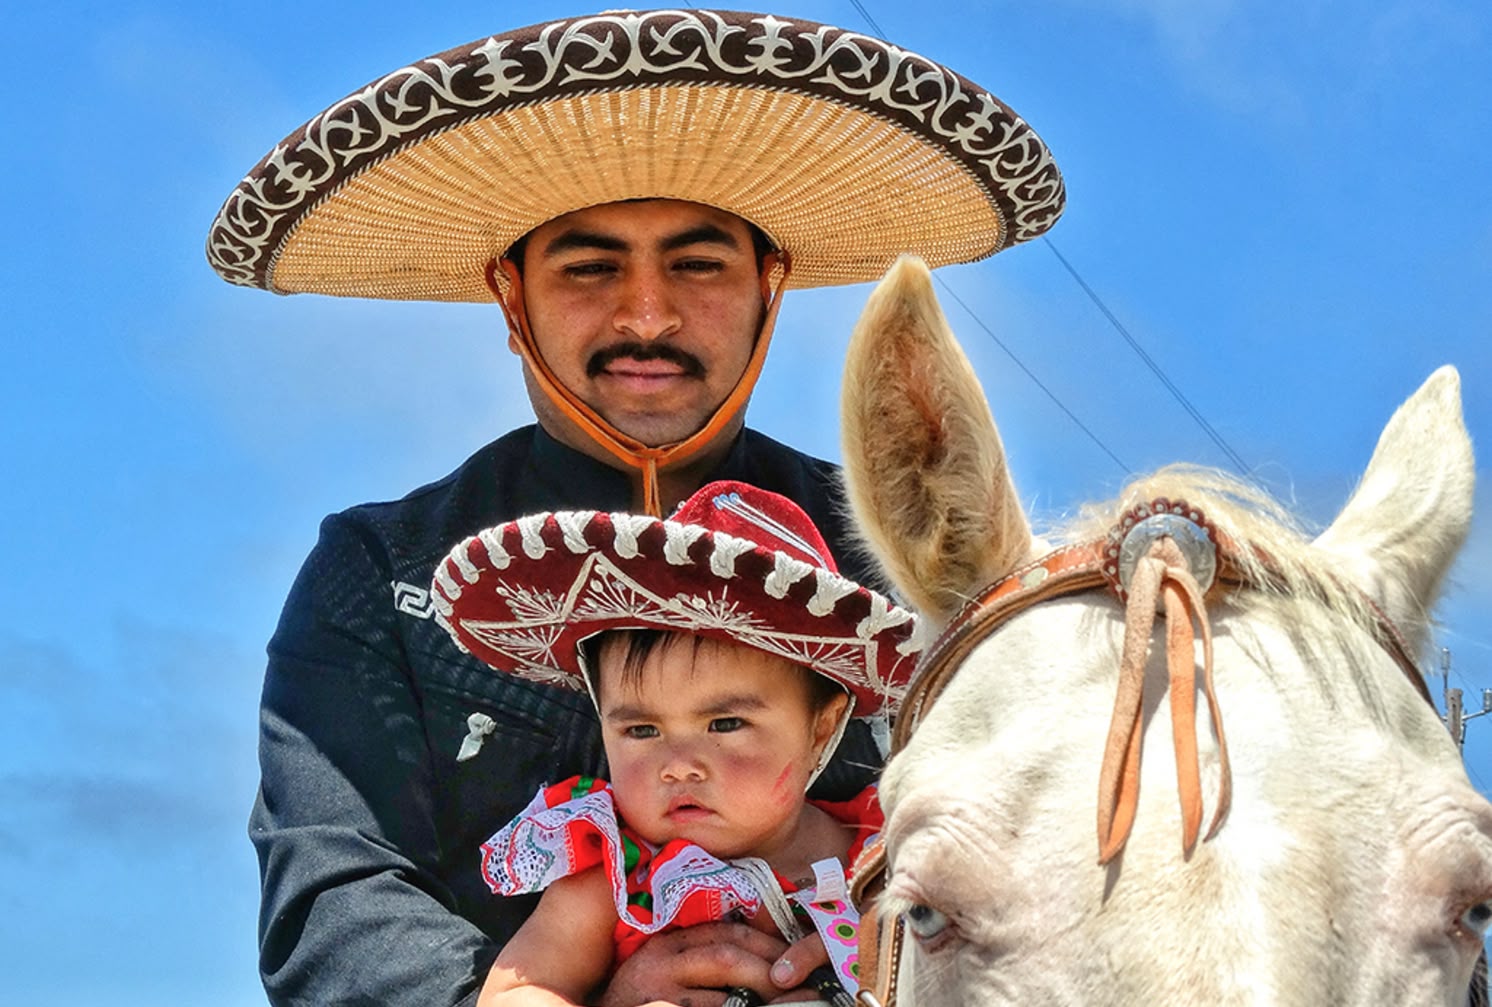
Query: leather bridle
[{"x": 1150, "y": 533}]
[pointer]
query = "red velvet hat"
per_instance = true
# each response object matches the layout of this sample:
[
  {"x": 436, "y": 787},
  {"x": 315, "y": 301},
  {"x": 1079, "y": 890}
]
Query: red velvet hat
[{"x": 734, "y": 563}]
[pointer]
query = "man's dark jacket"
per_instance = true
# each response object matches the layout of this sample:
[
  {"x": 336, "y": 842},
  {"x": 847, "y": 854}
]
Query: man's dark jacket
[{"x": 368, "y": 828}]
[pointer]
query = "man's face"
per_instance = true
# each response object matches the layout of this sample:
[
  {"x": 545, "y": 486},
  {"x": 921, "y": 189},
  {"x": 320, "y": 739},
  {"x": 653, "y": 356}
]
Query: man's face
[{"x": 647, "y": 311}]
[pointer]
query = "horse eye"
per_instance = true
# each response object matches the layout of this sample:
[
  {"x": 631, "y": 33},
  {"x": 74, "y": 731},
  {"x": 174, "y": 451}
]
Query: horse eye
[
  {"x": 925, "y": 922},
  {"x": 1478, "y": 919}
]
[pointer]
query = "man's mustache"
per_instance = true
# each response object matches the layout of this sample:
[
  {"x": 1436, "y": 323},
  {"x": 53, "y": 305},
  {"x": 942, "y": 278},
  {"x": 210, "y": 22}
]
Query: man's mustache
[{"x": 602, "y": 359}]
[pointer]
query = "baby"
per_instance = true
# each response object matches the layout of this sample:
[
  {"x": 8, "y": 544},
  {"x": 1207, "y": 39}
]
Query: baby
[{"x": 725, "y": 656}]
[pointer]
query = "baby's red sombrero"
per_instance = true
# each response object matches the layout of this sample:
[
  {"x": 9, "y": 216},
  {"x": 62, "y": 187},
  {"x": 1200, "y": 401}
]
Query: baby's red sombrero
[{"x": 734, "y": 563}]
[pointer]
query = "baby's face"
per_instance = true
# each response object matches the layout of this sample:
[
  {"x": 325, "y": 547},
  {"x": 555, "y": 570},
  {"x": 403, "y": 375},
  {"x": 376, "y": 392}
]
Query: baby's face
[{"x": 713, "y": 744}]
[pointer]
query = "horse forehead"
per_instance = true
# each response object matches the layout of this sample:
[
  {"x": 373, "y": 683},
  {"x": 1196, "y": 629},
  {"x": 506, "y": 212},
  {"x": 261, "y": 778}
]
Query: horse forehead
[
  {"x": 1275, "y": 658},
  {"x": 1314, "y": 725}
]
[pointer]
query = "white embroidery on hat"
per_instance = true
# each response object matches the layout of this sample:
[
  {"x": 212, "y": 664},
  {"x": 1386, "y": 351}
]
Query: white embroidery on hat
[
  {"x": 530, "y": 620},
  {"x": 830, "y": 587},
  {"x": 626, "y": 528},
  {"x": 469, "y": 572},
  {"x": 531, "y": 529},
  {"x": 573, "y": 524},
  {"x": 530, "y": 603},
  {"x": 917, "y": 640},
  {"x": 715, "y": 611},
  {"x": 530, "y": 644},
  {"x": 723, "y": 556},
  {"x": 447, "y": 582},
  {"x": 732, "y": 503},
  {"x": 492, "y": 538},
  {"x": 785, "y": 573},
  {"x": 882, "y": 617},
  {"x": 677, "y": 540}
]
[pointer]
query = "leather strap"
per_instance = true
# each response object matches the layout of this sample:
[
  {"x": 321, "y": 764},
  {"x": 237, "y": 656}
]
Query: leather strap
[
  {"x": 876, "y": 937},
  {"x": 1070, "y": 570},
  {"x": 1162, "y": 575}
]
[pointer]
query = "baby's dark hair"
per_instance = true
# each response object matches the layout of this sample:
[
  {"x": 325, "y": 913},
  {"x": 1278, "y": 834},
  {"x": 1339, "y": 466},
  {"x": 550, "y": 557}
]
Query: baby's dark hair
[{"x": 642, "y": 642}]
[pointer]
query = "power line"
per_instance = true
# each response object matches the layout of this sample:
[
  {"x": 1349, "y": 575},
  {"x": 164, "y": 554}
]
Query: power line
[
  {"x": 1155, "y": 368},
  {"x": 990, "y": 332},
  {"x": 868, "y": 19},
  {"x": 1134, "y": 345},
  {"x": 1028, "y": 372}
]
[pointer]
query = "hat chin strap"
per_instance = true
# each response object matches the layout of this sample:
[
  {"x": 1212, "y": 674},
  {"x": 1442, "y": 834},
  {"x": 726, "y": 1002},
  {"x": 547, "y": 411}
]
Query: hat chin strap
[{"x": 506, "y": 284}]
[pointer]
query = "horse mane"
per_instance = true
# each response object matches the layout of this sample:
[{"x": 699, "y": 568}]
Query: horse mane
[{"x": 1274, "y": 552}]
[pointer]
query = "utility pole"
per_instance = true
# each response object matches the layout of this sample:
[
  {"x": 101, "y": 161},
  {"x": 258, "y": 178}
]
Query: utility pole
[{"x": 1455, "y": 714}]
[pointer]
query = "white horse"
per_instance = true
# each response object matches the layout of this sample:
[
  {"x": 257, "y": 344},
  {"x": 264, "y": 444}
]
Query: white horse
[{"x": 1305, "y": 834}]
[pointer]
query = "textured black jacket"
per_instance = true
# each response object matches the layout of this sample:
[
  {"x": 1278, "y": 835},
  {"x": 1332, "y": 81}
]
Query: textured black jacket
[{"x": 367, "y": 827}]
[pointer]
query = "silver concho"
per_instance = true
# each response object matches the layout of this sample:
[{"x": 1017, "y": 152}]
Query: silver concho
[{"x": 1196, "y": 545}]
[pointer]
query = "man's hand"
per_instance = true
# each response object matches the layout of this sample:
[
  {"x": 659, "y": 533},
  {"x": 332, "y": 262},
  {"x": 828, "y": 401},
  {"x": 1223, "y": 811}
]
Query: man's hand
[
  {"x": 693, "y": 966},
  {"x": 791, "y": 969}
]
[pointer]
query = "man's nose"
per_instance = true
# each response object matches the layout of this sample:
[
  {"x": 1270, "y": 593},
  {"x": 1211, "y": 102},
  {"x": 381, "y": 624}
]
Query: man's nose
[{"x": 646, "y": 310}]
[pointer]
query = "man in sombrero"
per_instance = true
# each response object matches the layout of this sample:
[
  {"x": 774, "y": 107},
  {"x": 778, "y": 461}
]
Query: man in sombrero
[{"x": 636, "y": 190}]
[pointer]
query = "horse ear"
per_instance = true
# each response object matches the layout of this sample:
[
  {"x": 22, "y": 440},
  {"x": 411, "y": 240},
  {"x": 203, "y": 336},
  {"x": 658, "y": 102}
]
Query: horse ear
[
  {"x": 1410, "y": 514},
  {"x": 926, "y": 472}
]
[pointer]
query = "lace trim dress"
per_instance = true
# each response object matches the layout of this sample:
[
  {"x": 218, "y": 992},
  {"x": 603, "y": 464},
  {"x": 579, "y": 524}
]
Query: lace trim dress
[{"x": 571, "y": 827}]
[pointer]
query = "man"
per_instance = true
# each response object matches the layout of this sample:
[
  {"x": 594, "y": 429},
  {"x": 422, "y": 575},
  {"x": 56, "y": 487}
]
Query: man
[{"x": 636, "y": 190}]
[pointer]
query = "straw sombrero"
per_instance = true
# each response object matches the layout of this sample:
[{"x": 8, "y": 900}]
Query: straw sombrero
[
  {"x": 734, "y": 563},
  {"x": 846, "y": 150}
]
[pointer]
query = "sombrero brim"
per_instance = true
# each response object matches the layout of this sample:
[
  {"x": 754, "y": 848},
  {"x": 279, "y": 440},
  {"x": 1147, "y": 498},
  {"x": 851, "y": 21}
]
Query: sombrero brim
[
  {"x": 523, "y": 597},
  {"x": 845, "y": 150}
]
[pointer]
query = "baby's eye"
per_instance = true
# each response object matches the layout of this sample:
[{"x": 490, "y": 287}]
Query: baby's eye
[
  {"x": 725, "y": 725},
  {"x": 640, "y": 731}
]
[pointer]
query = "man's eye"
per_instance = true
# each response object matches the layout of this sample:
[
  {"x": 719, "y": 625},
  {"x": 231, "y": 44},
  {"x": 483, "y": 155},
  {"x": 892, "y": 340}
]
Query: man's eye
[
  {"x": 640, "y": 731},
  {"x": 724, "y": 725},
  {"x": 587, "y": 269},
  {"x": 699, "y": 265}
]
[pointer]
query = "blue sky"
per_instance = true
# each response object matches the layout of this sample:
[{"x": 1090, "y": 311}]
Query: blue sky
[{"x": 1284, "y": 203}]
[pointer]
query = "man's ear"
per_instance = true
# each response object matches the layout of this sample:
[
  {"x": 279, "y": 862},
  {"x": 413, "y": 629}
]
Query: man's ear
[
  {"x": 769, "y": 265},
  {"x": 505, "y": 280}
]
